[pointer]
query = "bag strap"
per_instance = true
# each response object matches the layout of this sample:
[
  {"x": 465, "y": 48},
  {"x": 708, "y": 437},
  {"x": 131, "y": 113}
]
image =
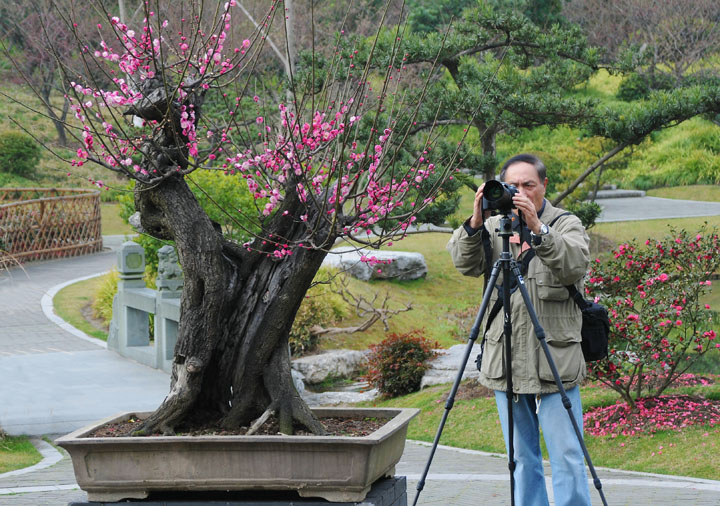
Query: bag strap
[
  {"x": 577, "y": 297},
  {"x": 525, "y": 264},
  {"x": 566, "y": 213}
]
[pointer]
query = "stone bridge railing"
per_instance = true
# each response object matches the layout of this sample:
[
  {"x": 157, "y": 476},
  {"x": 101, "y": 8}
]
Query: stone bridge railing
[{"x": 134, "y": 303}]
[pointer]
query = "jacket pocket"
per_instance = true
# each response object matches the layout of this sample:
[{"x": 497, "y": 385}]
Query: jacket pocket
[
  {"x": 549, "y": 289},
  {"x": 568, "y": 359},
  {"x": 493, "y": 361}
]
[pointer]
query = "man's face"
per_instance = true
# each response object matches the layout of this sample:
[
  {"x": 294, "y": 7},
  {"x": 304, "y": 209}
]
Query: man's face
[{"x": 524, "y": 177}]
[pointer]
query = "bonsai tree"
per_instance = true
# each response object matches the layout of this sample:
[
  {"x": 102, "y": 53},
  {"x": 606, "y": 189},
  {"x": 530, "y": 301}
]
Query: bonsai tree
[{"x": 175, "y": 96}]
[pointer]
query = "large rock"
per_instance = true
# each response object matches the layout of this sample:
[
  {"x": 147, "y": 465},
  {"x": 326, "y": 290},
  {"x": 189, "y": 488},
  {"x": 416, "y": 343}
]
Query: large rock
[
  {"x": 445, "y": 367},
  {"x": 401, "y": 265},
  {"x": 335, "y": 398},
  {"x": 333, "y": 364}
]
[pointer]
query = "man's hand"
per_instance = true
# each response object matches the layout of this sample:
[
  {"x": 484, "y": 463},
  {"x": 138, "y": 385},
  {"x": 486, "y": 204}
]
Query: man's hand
[
  {"x": 477, "y": 218},
  {"x": 526, "y": 206}
]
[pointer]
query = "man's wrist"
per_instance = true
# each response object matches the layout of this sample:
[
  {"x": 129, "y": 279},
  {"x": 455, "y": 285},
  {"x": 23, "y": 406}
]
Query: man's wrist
[
  {"x": 475, "y": 223},
  {"x": 469, "y": 229},
  {"x": 537, "y": 236}
]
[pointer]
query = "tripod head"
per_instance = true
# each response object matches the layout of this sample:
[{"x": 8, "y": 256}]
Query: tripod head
[{"x": 505, "y": 228}]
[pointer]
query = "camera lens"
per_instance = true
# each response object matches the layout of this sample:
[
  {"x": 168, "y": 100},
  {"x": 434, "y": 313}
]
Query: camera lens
[
  {"x": 494, "y": 190},
  {"x": 498, "y": 196}
]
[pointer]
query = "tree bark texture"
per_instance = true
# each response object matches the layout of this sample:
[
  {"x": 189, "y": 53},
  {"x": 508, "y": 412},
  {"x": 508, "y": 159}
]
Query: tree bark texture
[{"x": 231, "y": 359}]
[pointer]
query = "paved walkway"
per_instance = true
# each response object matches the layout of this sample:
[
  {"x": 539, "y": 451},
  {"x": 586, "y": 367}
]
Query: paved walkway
[
  {"x": 54, "y": 379},
  {"x": 653, "y": 208}
]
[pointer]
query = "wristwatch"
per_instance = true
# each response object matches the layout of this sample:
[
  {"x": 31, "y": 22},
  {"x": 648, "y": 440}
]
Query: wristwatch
[{"x": 537, "y": 238}]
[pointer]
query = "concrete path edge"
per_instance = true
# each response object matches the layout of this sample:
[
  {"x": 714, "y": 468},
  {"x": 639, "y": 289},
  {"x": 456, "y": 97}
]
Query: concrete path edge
[
  {"x": 50, "y": 457},
  {"x": 48, "y": 309}
]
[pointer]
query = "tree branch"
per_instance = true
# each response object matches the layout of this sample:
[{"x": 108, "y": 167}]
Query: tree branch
[
  {"x": 278, "y": 53},
  {"x": 363, "y": 308},
  {"x": 589, "y": 171}
]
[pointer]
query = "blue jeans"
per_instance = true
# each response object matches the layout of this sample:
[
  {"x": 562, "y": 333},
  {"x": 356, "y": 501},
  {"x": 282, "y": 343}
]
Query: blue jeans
[{"x": 569, "y": 478}]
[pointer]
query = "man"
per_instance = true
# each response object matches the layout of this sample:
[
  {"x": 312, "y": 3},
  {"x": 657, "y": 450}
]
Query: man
[{"x": 561, "y": 258}]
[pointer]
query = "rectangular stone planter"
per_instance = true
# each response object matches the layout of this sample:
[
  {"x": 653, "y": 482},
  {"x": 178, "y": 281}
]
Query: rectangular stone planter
[{"x": 336, "y": 468}]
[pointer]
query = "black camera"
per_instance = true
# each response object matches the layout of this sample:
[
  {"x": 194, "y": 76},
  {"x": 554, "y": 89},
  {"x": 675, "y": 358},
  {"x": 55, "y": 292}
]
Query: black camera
[{"x": 498, "y": 196}]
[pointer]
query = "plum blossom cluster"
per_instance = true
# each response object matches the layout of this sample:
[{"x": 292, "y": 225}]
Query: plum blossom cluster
[
  {"x": 336, "y": 179},
  {"x": 659, "y": 326},
  {"x": 651, "y": 415},
  {"x": 195, "y": 59},
  {"x": 346, "y": 180}
]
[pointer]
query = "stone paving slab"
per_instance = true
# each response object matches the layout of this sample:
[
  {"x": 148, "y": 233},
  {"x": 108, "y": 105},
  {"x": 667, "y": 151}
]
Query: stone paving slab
[
  {"x": 459, "y": 476},
  {"x": 24, "y": 327},
  {"x": 61, "y": 392}
]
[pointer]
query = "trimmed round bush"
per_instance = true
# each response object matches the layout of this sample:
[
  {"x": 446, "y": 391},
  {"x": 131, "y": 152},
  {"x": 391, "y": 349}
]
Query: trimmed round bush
[
  {"x": 19, "y": 153},
  {"x": 398, "y": 363}
]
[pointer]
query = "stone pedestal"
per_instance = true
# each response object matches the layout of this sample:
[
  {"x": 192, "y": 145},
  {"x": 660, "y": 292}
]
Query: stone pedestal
[{"x": 384, "y": 492}]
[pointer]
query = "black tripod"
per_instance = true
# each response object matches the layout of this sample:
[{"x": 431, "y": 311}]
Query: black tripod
[{"x": 509, "y": 268}]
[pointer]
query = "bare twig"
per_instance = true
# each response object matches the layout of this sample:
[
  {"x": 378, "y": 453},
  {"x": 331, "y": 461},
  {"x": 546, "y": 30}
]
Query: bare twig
[
  {"x": 260, "y": 421},
  {"x": 363, "y": 308}
]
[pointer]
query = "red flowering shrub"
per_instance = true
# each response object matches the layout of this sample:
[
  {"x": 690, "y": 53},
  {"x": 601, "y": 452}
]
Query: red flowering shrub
[
  {"x": 659, "y": 328},
  {"x": 398, "y": 363}
]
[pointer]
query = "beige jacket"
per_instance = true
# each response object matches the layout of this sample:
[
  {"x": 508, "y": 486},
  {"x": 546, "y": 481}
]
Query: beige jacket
[{"x": 561, "y": 259}]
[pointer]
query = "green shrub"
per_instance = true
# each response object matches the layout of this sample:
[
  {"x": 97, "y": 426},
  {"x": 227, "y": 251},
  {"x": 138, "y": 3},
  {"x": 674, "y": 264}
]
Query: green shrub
[
  {"x": 219, "y": 195},
  {"x": 633, "y": 87},
  {"x": 19, "y": 154},
  {"x": 398, "y": 363},
  {"x": 322, "y": 306},
  {"x": 102, "y": 300},
  {"x": 102, "y": 305},
  {"x": 588, "y": 212}
]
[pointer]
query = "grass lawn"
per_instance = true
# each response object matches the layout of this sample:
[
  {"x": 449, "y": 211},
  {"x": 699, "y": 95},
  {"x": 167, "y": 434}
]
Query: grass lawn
[
  {"x": 17, "y": 453},
  {"x": 72, "y": 304},
  {"x": 624, "y": 231},
  {"x": 441, "y": 302},
  {"x": 704, "y": 193},
  {"x": 444, "y": 303},
  {"x": 473, "y": 423},
  {"x": 112, "y": 224}
]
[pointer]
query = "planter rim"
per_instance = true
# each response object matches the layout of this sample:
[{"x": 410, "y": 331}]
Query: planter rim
[{"x": 395, "y": 417}]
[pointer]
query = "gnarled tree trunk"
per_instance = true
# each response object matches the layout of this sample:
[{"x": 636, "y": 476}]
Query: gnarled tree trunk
[{"x": 231, "y": 360}]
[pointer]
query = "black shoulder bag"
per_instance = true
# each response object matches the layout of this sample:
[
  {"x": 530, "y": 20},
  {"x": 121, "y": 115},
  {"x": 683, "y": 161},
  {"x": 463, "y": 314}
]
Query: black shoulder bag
[{"x": 595, "y": 327}]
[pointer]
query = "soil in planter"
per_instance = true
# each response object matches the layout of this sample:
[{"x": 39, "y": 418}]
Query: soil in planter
[{"x": 352, "y": 427}]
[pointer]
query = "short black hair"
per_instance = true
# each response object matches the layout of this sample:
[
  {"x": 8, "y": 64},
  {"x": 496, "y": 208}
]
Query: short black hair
[{"x": 526, "y": 158}]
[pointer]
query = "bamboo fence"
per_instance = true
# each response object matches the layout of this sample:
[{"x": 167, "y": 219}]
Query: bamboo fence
[{"x": 46, "y": 223}]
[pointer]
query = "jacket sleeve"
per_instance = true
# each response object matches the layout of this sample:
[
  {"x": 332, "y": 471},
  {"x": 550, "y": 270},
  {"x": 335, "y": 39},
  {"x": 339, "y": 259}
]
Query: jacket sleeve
[
  {"x": 565, "y": 250},
  {"x": 467, "y": 252}
]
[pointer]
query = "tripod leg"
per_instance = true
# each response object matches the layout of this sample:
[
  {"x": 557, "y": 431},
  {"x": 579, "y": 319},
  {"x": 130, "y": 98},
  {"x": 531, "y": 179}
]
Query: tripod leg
[
  {"x": 507, "y": 332},
  {"x": 474, "y": 333},
  {"x": 540, "y": 334}
]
